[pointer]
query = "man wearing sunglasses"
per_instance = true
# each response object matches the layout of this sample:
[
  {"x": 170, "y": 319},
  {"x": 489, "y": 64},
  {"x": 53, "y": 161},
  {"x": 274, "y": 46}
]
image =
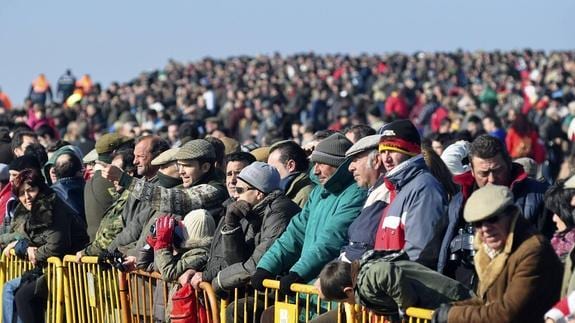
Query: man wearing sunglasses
[
  {"x": 251, "y": 224},
  {"x": 519, "y": 273}
]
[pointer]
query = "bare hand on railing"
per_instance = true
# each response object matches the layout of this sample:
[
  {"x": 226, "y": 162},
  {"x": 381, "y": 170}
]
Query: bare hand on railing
[
  {"x": 196, "y": 280},
  {"x": 186, "y": 277},
  {"x": 79, "y": 256},
  {"x": 130, "y": 263},
  {"x": 31, "y": 251},
  {"x": 9, "y": 247}
]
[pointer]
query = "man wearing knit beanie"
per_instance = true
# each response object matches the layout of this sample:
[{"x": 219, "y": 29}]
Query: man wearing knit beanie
[
  {"x": 253, "y": 222},
  {"x": 315, "y": 236},
  {"x": 414, "y": 220}
]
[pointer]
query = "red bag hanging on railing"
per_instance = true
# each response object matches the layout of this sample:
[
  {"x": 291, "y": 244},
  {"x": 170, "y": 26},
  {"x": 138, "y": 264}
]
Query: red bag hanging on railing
[{"x": 186, "y": 308}]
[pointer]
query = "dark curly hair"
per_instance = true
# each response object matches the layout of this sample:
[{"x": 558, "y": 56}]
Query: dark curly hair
[
  {"x": 558, "y": 200},
  {"x": 486, "y": 146}
]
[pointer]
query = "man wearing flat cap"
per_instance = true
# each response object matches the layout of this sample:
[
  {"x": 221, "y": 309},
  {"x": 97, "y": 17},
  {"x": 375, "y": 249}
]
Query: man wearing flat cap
[
  {"x": 98, "y": 192},
  {"x": 367, "y": 169},
  {"x": 201, "y": 189},
  {"x": 415, "y": 219},
  {"x": 519, "y": 273},
  {"x": 315, "y": 235}
]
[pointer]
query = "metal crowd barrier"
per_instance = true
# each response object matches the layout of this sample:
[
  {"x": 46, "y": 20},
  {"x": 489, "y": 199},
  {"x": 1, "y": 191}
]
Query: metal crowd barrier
[
  {"x": 11, "y": 267},
  {"x": 419, "y": 315},
  {"x": 304, "y": 305},
  {"x": 144, "y": 288},
  {"x": 93, "y": 293},
  {"x": 300, "y": 307}
]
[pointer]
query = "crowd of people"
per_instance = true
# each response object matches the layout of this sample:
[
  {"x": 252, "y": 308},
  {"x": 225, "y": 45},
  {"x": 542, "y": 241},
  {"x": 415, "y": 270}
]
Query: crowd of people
[{"x": 437, "y": 180}]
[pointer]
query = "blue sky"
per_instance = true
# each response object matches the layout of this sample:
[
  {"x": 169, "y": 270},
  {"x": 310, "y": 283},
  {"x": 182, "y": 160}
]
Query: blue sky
[{"x": 115, "y": 40}]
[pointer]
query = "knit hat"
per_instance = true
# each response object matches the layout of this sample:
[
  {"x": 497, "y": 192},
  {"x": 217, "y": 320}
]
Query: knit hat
[
  {"x": 400, "y": 136},
  {"x": 487, "y": 202},
  {"x": 199, "y": 228},
  {"x": 265, "y": 178},
  {"x": 331, "y": 150},
  {"x": 195, "y": 149},
  {"x": 364, "y": 144},
  {"x": 165, "y": 157},
  {"x": 23, "y": 162}
]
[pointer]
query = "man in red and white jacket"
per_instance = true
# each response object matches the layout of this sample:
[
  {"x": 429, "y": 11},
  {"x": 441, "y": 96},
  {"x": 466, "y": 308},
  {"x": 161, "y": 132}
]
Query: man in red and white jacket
[{"x": 415, "y": 220}]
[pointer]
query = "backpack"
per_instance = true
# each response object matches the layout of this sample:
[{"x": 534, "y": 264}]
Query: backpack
[{"x": 186, "y": 308}]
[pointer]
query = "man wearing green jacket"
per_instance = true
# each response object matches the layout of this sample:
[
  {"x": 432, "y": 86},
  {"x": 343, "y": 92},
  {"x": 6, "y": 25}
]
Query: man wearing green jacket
[{"x": 316, "y": 234}]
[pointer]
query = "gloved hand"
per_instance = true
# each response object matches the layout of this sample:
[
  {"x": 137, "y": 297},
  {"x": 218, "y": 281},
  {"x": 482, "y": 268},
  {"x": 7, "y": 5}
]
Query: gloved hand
[
  {"x": 235, "y": 212},
  {"x": 287, "y": 280},
  {"x": 164, "y": 232},
  {"x": 440, "y": 314},
  {"x": 258, "y": 278},
  {"x": 151, "y": 240}
]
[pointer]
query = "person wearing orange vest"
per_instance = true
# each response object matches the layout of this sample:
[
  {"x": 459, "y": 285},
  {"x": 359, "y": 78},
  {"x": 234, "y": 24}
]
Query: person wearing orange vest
[
  {"x": 85, "y": 83},
  {"x": 5, "y": 101},
  {"x": 40, "y": 90}
]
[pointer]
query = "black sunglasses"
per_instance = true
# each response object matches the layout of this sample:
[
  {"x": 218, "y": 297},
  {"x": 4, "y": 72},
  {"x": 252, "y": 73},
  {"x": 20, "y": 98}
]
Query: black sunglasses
[
  {"x": 490, "y": 220},
  {"x": 242, "y": 190}
]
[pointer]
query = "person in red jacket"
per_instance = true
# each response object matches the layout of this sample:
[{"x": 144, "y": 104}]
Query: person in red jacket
[
  {"x": 523, "y": 141},
  {"x": 396, "y": 106}
]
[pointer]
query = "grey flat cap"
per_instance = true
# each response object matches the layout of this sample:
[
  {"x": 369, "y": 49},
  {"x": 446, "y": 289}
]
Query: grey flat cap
[
  {"x": 364, "y": 144},
  {"x": 165, "y": 157},
  {"x": 487, "y": 202},
  {"x": 195, "y": 149}
]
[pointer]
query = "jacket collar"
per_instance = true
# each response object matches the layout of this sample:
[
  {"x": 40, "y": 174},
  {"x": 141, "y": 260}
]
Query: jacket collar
[
  {"x": 518, "y": 175},
  {"x": 338, "y": 181},
  {"x": 300, "y": 181},
  {"x": 406, "y": 171}
]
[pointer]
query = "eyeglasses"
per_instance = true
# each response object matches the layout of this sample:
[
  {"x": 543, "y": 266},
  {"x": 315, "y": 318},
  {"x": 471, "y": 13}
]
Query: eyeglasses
[
  {"x": 490, "y": 220},
  {"x": 242, "y": 190}
]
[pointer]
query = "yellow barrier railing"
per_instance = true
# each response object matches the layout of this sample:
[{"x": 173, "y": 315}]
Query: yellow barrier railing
[
  {"x": 92, "y": 293},
  {"x": 143, "y": 287},
  {"x": 89, "y": 293},
  {"x": 307, "y": 300},
  {"x": 419, "y": 315},
  {"x": 12, "y": 267}
]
